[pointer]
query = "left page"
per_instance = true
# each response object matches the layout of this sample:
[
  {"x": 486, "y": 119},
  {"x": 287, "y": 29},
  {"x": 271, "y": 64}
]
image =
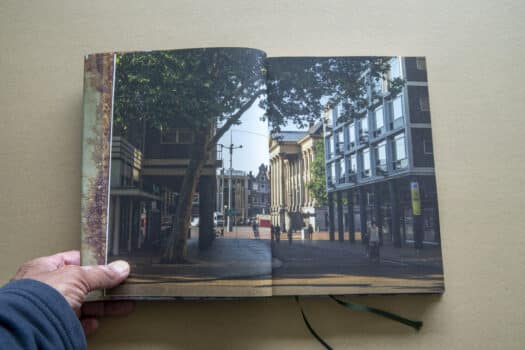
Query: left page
[{"x": 173, "y": 177}]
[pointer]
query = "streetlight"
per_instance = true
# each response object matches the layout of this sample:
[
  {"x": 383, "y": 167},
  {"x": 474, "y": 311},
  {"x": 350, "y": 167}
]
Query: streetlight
[{"x": 231, "y": 147}]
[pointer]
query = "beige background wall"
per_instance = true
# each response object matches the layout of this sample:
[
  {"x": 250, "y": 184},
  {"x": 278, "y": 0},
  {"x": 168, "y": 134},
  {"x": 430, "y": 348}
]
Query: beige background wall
[{"x": 475, "y": 52}]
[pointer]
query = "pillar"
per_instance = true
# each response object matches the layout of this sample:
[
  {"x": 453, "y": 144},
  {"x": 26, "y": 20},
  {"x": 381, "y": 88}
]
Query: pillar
[
  {"x": 350, "y": 208},
  {"x": 331, "y": 226},
  {"x": 362, "y": 212},
  {"x": 116, "y": 226},
  {"x": 394, "y": 213},
  {"x": 340, "y": 222},
  {"x": 377, "y": 210}
]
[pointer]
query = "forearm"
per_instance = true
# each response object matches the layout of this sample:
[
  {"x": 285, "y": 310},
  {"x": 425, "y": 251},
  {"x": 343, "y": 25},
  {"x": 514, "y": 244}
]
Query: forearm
[{"x": 33, "y": 315}]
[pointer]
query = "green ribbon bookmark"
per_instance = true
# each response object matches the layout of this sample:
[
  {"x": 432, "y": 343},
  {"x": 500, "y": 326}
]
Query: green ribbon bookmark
[
  {"x": 312, "y": 331},
  {"x": 411, "y": 323}
]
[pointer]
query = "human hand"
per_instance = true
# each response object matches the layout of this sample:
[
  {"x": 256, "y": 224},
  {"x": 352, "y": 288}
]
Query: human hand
[{"x": 63, "y": 272}]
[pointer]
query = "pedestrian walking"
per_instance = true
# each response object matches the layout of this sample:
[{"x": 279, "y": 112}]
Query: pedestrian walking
[
  {"x": 310, "y": 232},
  {"x": 272, "y": 232},
  {"x": 374, "y": 242},
  {"x": 255, "y": 229},
  {"x": 290, "y": 234},
  {"x": 277, "y": 233}
]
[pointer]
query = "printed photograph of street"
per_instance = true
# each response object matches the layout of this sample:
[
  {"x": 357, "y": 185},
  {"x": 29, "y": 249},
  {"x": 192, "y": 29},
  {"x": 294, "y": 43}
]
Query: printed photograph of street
[{"x": 237, "y": 175}]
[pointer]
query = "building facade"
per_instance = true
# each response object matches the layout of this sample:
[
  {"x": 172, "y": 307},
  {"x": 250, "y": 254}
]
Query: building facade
[
  {"x": 291, "y": 157},
  {"x": 148, "y": 165},
  {"x": 381, "y": 166},
  {"x": 259, "y": 192},
  {"x": 239, "y": 194}
]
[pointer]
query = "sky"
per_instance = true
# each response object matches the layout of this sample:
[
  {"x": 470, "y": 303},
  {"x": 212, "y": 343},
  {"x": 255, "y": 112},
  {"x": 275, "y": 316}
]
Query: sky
[{"x": 252, "y": 134}]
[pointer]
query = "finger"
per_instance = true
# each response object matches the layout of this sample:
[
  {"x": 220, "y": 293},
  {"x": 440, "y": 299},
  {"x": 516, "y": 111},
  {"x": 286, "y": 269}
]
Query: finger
[
  {"x": 108, "y": 308},
  {"x": 89, "y": 325},
  {"x": 105, "y": 276}
]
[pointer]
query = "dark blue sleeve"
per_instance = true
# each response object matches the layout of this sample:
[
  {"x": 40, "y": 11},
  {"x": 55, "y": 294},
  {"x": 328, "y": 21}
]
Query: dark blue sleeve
[{"x": 34, "y": 315}]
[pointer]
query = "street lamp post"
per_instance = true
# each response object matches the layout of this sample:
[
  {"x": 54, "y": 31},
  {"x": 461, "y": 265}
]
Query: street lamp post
[{"x": 231, "y": 147}]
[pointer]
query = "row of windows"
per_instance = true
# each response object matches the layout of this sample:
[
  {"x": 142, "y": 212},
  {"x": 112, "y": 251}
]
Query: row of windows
[
  {"x": 358, "y": 132},
  {"x": 387, "y": 117},
  {"x": 338, "y": 170}
]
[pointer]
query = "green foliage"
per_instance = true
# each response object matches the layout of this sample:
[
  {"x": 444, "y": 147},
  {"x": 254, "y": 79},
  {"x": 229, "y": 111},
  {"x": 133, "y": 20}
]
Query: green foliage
[
  {"x": 299, "y": 88},
  {"x": 317, "y": 184},
  {"x": 193, "y": 88}
]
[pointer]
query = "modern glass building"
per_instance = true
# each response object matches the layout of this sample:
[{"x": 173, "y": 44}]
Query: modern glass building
[{"x": 381, "y": 166}]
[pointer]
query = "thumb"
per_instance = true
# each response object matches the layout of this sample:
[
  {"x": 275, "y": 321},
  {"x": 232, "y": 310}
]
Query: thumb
[{"x": 106, "y": 276}]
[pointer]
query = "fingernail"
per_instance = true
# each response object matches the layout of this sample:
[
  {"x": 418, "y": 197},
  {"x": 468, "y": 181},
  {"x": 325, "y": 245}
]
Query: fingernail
[{"x": 120, "y": 266}]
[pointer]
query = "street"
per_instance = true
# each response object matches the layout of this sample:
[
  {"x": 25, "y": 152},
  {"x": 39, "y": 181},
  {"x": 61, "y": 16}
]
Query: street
[{"x": 237, "y": 265}]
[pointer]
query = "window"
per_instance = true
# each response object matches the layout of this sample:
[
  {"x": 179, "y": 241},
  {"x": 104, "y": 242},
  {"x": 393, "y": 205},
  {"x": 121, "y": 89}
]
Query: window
[
  {"x": 338, "y": 142},
  {"x": 351, "y": 135},
  {"x": 400, "y": 156},
  {"x": 366, "y": 162},
  {"x": 176, "y": 136},
  {"x": 168, "y": 136},
  {"x": 341, "y": 165},
  {"x": 381, "y": 158},
  {"x": 424, "y": 104},
  {"x": 421, "y": 63},
  {"x": 379, "y": 118},
  {"x": 397, "y": 108},
  {"x": 364, "y": 125},
  {"x": 353, "y": 163},
  {"x": 377, "y": 86},
  {"x": 381, "y": 153},
  {"x": 427, "y": 147},
  {"x": 395, "y": 68}
]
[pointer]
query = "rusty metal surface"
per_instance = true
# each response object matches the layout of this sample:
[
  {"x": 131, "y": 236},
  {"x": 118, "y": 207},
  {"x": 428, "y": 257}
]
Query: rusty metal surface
[{"x": 97, "y": 110}]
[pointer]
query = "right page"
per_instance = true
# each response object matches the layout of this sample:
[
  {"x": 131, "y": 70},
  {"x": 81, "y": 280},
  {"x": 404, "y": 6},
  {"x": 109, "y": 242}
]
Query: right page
[{"x": 353, "y": 204}]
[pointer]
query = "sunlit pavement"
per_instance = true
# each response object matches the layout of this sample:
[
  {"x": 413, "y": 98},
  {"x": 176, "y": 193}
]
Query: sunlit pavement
[{"x": 239, "y": 265}]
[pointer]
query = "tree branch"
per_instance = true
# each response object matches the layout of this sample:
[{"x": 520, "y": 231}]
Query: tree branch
[{"x": 232, "y": 120}]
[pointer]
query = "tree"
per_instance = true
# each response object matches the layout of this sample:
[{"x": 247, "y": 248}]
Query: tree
[
  {"x": 317, "y": 184},
  {"x": 206, "y": 90},
  {"x": 300, "y": 88}
]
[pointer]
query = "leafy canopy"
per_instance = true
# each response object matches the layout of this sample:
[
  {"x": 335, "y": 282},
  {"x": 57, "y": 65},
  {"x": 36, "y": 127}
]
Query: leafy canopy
[{"x": 194, "y": 87}]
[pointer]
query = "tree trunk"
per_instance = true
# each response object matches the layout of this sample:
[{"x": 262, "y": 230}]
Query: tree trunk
[{"x": 175, "y": 251}]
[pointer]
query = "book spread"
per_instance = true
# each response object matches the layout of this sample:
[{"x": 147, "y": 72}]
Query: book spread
[{"x": 224, "y": 173}]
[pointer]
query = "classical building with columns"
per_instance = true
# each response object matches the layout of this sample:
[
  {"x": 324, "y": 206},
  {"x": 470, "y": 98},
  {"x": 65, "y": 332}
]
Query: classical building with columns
[{"x": 291, "y": 157}]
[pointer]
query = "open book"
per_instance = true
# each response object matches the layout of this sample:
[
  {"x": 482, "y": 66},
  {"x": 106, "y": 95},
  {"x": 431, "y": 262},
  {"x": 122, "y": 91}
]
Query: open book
[{"x": 220, "y": 172}]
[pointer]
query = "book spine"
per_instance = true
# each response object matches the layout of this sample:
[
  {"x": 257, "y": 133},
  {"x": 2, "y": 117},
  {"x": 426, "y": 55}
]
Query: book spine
[{"x": 99, "y": 76}]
